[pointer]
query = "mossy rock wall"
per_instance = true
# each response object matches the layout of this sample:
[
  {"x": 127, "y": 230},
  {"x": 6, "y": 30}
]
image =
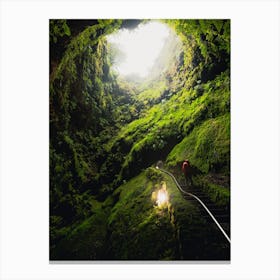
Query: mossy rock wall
[
  {"x": 105, "y": 132},
  {"x": 138, "y": 229}
]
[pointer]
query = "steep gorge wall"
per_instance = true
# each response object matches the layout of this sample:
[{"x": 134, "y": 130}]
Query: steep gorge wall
[{"x": 94, "y": 152}]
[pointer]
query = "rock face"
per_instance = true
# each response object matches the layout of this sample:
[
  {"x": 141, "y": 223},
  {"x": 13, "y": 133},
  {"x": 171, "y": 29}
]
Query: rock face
[{"x": 107, "y": 133}]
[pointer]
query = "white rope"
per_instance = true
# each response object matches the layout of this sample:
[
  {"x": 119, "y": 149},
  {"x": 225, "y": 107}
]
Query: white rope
[{"x": 192, "y": 195}]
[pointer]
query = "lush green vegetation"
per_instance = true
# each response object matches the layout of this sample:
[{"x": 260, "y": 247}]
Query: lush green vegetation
[
  {"x": 130, "y": 225},
  {"x": 107, "y": 132}
]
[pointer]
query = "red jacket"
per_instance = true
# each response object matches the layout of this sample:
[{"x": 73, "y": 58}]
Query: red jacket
[{"x": 186, "y": 168}]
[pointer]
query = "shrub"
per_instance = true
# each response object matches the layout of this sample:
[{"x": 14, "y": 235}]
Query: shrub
[{"x": 153, "y": 174}]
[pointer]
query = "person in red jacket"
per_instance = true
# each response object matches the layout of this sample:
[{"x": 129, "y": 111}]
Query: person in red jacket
[{"x": 186, "y": 168}]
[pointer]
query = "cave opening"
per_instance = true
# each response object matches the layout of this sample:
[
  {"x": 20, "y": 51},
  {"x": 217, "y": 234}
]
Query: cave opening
[
  {"x": 145, "y": 52},
  {"x": 114, "y": 111}
]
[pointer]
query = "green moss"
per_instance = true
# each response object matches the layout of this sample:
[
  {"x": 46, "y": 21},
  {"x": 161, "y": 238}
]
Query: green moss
[
  {"x": 104, "y": 132},
  {"x": 219, "y": 194},
  {"x": 141, "y": 230},
  {"x": 151, "y": 135},
  {"x": 135, "y": 228},
  {"x": 153, "y": 93},
  {"x": 86, "y": 240},
  {"x": 207, "y": 146},
  {"x": 135, "y": 215},
  {"x": 58, "y": 28},
  {"x": 154, "y": 174}
]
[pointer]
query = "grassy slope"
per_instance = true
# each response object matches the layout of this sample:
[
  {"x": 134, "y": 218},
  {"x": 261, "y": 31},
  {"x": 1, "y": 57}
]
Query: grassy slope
[
  {"x": 137, "y": 229},
  {"x": 164, "y": 125},
  {"x": 206, "y": 146}
]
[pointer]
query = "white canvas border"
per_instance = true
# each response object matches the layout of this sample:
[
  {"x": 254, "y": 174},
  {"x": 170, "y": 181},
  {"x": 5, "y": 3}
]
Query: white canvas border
[{"x": 24, "y": 138}]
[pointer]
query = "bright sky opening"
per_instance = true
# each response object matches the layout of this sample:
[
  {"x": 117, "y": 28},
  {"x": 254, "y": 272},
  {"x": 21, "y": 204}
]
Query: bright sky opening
[{"x": 140, "y": 46}]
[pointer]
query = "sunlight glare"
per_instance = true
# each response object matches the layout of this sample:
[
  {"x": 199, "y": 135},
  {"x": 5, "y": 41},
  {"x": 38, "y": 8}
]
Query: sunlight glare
[{"x": 140, "y": 46}]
